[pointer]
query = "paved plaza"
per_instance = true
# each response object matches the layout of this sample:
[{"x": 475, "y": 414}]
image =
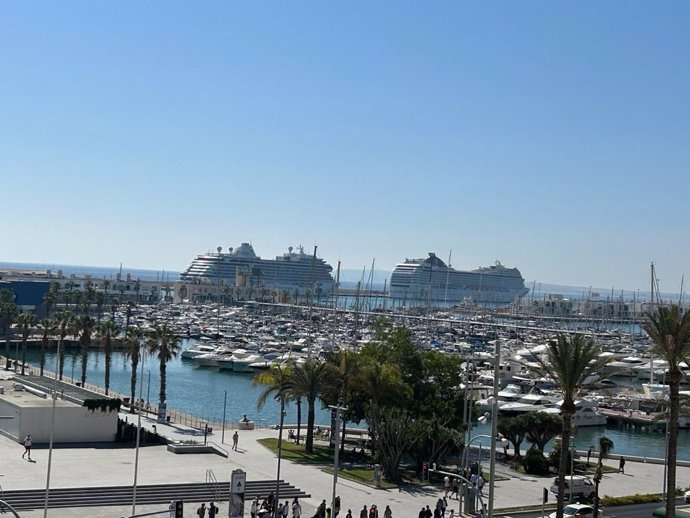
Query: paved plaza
[{"x": 105, "y": 466}]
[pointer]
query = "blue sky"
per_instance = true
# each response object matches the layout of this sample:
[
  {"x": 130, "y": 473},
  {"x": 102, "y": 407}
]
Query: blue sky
[{"x": 553, "y": 136}]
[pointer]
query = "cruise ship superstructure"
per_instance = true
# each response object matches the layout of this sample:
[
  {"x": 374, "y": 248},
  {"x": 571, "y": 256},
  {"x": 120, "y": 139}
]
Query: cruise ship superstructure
[
  {"x": 432, "y": 280},
  {"x": 294, "y": 271}
]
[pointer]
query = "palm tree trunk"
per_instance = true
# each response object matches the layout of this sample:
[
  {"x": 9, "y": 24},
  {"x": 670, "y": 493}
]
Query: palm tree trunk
[
  {"x": 84, "y": 361},
  {"x": 133, "y": 380},
  {"x": 7, "y": 349},
  {"x": 42, "y": 361},
  {"x": 61, "y": 356},
  {"x": 299, "y": 418},
  {"x": 563, "y": 466},
  {"x": 311, "y": 414},
  {"x": 674, "y": 402},
  {"x": 161, "y": 396},
  {"x": 108, "y": 360},
  {"x": 23, "y": 354}
]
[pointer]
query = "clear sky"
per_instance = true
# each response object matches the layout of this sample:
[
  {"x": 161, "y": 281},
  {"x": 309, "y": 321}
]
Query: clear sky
[{"x": 553, "y": 136}]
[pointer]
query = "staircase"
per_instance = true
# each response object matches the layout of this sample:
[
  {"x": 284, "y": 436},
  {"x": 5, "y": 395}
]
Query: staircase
[{"x": 29, "y": 499}]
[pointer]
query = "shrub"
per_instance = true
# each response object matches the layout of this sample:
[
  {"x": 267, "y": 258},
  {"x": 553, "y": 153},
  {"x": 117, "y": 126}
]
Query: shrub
[{"x": 535, "y": 463}]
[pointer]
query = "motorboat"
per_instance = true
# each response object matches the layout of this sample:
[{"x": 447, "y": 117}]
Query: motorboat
[
  {"x": 198, "y": 350},
  {"x": 527, "y": 403},
  {"x": 586, "y": 413}
]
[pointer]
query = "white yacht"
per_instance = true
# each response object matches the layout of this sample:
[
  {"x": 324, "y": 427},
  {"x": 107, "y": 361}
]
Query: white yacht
[
  {"x": 527, "y": 403},
  {"x": 586, "y": 413},
  {"x": 239, "y": 361},
  {"x": 198, "y": 350}
]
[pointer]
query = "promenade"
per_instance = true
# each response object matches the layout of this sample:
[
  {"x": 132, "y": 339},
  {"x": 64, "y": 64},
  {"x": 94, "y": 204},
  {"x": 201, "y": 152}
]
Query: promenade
[{"x": 104, "y": 466}]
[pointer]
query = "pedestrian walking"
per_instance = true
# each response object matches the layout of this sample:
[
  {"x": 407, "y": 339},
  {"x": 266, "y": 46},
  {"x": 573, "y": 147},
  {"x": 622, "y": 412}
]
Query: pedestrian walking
[
  {"x": 427, "y": 512},
  {"x": 27, "y": 447},
  {"x": 212, "y": 510},
  {"x": 422, "y": 513},
  {"x": 621, "y": 465},
  {"x": 388, "y": 513},
  {"x": 446, "y": 485},
  {"x": 235, "y": 438},
  {"x": 285, "y": 509},
  {"x": 349, "y": 513},
  {"x": 456, "y": 489},
  {"x": 364, "y": 513},
  {"x": 589, "y": 454},
  {"x": 444, "y": 507},
  {"x": 201, "y": 511}
]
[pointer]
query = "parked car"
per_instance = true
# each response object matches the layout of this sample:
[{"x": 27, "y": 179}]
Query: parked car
[
  {"x": 583, "y": 487},
  {"x": 578, "y": 511}
]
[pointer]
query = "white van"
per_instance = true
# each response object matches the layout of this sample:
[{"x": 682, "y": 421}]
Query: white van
[{"x": 582, "y": 486}]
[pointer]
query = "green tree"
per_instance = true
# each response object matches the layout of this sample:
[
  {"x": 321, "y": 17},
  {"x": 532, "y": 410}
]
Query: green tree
[
  {"x": 393, "y": 433},
  {"x": 669, "y": 329},
  {"x": 346, "y": 367},
  {"x": 164, "y": 345},
  {"x": 514, "y": 429},
  {"x": 541, "y": 428},
  {"x": 48, "y": 326},
  {"x": 26, "y": 322},
  {"x": 8, "y": 313},
  {"x": 309, "y": 380},
  {"x": 134, "y": 336},
  {"x": 83, "y": 326},
  {"x": 106, "y": 332},
  {"x": 605, "y": 448},
  {"x": 569, "y": 362}
]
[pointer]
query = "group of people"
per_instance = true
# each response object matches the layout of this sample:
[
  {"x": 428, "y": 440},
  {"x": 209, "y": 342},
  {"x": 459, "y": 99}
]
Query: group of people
[
  {"x": 212, "y": 510},
  {"x": 372, "y": 513},
  {"x": 267, "y": 505},
  {"x": 452, "y": 485}
]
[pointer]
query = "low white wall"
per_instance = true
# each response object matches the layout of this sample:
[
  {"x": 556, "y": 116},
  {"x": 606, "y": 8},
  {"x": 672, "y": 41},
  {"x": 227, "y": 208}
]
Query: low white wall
[{"x": 72, "y": 424}]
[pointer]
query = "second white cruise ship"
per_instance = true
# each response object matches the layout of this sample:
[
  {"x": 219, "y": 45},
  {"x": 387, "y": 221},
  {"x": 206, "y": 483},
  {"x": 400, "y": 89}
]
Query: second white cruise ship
[{"x": 433, "y": 281}]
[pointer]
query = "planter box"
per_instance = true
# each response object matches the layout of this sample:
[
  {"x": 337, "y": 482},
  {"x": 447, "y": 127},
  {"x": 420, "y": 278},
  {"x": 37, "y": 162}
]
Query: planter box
[{"x": 190, "y": 448}]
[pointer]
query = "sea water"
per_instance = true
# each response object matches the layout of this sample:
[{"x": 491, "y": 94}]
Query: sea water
[{"x": 189, "y": 388}]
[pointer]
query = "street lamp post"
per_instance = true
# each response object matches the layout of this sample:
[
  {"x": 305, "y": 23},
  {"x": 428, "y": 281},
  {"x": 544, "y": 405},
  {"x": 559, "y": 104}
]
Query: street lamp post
[
  {"x": 276, "y": 501},
  {"x": 336, "y": 453},
  {"x": 494, "y": 429},
  {"x": 136, "y": 454}
]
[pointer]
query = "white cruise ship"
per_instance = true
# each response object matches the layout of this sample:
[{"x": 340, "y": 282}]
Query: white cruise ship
[
  {"x": 432, "y": 280},
  {"x": 295, "y": 272}
]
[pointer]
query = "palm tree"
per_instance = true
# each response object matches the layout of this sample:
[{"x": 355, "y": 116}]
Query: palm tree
[
  {"x": 132, "y": 351},
  {"x": 669, "y": 329},
  {"x": 274, "y": 381},
  {"x": 605, "y": 447},
  {"x": 309, "y": 380},
  {"x": 165, "y": 345},
  {"x": 346, "y": 368},
  {"x": 569, "y": 361},
  {"x": 48, "y": 326},
  {"x": 25, "y": 321},
  {"x": 8, "y": 312},
  {"x": 84, "y": 326},
  {"x": 63, "y": 320},
  {"x": 106, "y": 332}
]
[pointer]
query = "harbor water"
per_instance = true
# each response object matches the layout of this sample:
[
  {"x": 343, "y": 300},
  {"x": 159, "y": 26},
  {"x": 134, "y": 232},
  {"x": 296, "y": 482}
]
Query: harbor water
[{"x": 190, "y": 389}]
